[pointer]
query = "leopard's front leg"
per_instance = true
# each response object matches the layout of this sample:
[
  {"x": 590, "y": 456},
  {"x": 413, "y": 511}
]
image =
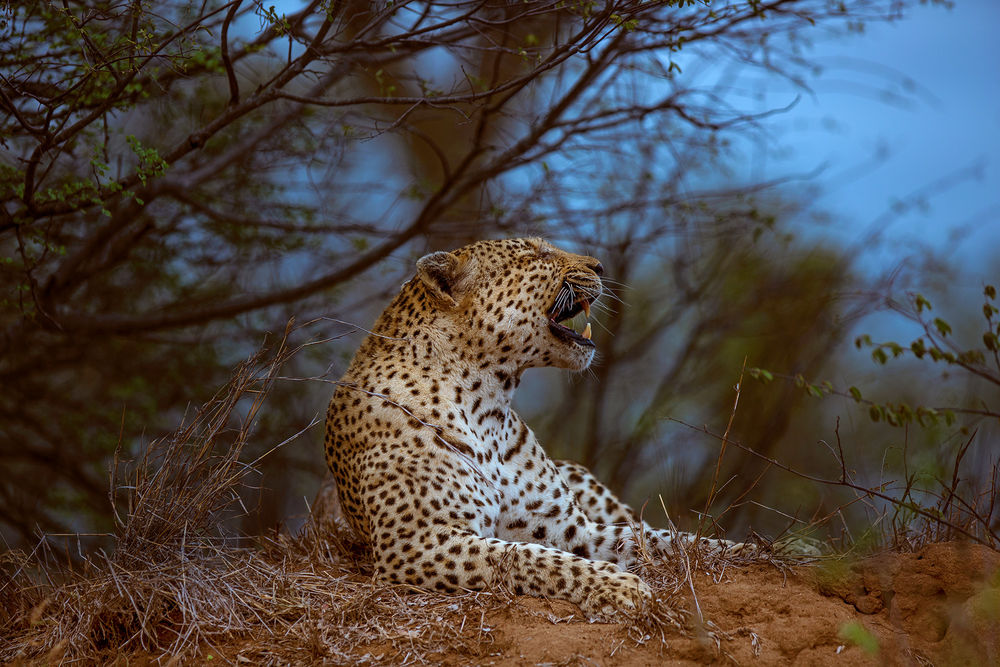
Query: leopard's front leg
[{"x": 437, "y": 543}]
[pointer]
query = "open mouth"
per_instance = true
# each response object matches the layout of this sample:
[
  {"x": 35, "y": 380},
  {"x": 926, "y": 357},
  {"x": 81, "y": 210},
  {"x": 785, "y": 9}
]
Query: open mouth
[{"x": 568, "y": 305}]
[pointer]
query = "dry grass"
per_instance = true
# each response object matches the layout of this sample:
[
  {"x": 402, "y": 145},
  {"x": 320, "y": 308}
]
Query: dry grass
[{"x": 224, "y": 602}]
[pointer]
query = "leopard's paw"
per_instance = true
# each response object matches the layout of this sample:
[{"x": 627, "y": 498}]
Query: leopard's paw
[{"x": 616, "y": 594}]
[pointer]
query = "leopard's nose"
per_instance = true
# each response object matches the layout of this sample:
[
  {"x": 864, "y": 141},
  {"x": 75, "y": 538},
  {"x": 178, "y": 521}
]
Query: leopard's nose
[{"x": 598, "y": 268}]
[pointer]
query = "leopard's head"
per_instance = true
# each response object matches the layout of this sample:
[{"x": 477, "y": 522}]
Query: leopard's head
[{"x": 511, "y": 300}]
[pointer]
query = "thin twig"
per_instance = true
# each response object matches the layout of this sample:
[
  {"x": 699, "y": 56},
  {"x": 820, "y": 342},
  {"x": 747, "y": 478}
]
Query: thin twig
[{"x": 722, "y": 449}]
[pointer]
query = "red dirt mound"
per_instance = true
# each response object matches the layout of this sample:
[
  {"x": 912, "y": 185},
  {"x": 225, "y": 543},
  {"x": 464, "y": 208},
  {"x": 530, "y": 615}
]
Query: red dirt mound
[{"x": 938, "y": 606}]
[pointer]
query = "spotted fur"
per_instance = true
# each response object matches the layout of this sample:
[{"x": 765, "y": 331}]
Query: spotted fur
[{"x": 449, "y": 486}]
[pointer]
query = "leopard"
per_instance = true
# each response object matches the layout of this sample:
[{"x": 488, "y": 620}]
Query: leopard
[{"x": 447, "y": 486}]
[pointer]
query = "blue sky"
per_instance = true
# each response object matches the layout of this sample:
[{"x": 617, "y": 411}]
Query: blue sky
[{"x": 946, "y": 64}]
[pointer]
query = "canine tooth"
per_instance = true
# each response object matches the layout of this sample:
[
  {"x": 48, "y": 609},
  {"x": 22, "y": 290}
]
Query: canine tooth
[
  {"x": 586, "y": 307},
  {"x": 586, "y": 331}
]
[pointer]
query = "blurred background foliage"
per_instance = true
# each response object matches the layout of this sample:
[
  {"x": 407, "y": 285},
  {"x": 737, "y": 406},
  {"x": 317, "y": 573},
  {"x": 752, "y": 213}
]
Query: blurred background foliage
[{"x": 178, "y": 180}]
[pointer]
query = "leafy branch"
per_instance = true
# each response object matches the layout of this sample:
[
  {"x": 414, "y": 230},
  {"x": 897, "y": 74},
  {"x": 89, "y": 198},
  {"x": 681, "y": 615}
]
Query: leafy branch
[{"x": 937, "y": 345}]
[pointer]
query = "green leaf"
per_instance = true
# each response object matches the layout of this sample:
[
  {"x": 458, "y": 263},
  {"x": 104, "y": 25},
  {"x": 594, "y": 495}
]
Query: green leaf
[
  {"x": 926, "y": 416},
  {"x": 855, "y": 394},
  {"x": 990, "y": 292},
  {"x": 879, "y": 355},
  {"x": 918, "y": 348},
  {"x": 875, "y": 412},
  {"x": 971, "y": 357},
  {"x": 860, "y": 636},
  {"x": 943, "y": 327},
  {"x": 991, "y": 341},
  {"x": 920, "y": 302}
]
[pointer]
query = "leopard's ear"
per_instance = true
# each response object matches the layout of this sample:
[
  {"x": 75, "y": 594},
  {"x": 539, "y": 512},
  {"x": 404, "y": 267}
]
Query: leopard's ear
[{"x": 445, "y": 275}]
